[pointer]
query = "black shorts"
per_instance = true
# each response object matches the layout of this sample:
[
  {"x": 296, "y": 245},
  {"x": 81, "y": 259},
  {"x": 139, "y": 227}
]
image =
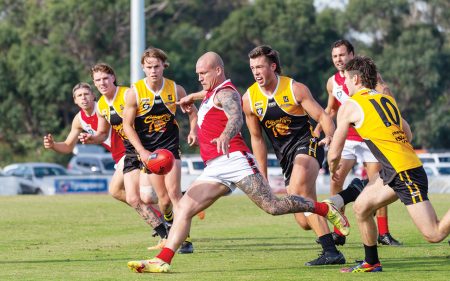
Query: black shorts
[
  {"x": 133, "y": 162},
  {"x": 309, "y": 146},
  {"x": 411, "y": 186}
]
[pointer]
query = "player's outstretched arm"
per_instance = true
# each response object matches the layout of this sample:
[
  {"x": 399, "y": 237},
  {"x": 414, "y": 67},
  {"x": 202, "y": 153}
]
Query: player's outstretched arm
[
  {"x": 101, "y": 134},
  {"x": 66, "y": 146}
]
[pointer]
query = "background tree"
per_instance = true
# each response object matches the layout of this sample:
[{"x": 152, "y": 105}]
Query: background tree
[{"x": 48, "y": 46}]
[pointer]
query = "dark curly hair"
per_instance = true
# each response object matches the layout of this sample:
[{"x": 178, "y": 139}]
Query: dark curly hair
[
  {"x": 271, "y": 55},
  {"x": 365, "y": 68}
]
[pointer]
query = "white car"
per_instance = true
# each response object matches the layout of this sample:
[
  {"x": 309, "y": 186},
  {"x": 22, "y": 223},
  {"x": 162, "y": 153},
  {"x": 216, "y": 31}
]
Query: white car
[
  {"x": 192, "y": 165},
  {"x": 10, "y": 185},
  {"x": 439, "y": 169},
  {"x": 34, "y": 173},
  {"x": 434, "y": 158}
]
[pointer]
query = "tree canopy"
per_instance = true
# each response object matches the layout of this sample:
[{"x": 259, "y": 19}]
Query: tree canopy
[{"x": 48, "y": 46}]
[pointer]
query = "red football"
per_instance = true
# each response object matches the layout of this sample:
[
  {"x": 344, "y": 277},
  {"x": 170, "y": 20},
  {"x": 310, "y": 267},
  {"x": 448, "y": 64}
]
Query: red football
[{"x": 160, "y": 162}]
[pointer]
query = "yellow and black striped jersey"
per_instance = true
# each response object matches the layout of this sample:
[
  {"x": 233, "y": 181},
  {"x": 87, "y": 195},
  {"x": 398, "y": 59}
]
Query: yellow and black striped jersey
[
  {"x": 282, "y": 118},
  {"x": 113, "y": 112},
  {"x": 381, "y": 127},
  {"x": 155, "y": 121}
]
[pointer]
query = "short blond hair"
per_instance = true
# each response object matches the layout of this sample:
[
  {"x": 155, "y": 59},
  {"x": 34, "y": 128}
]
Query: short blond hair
[{"x": 155, "y": 53}]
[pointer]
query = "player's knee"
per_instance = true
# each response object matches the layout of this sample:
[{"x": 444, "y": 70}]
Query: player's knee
[
  {"x": 361, "y": 210},
  {"x": 116, "y": 190},
  {"x": 148, "y": 194},
  {"x": 433, "y": 237},
  {"x": 133, "y": 201},
  {"x": 115, "y": 194},
  {"x": 304, "y": 225},
  {"x": 271, "y": 210},
  {"x": 185, "y": 211}
]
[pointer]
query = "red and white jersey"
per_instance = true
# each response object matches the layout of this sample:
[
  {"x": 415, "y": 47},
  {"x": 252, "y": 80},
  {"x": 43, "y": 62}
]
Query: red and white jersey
[
  {"x": 113, "y": 143},
  {"x": 212, "y": 121},
  {"x": 340, "y": 93}
]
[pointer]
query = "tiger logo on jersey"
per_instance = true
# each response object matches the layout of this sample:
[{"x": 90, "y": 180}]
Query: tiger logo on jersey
[
  {"x": 157, "y": 123},
  {"x": 279, "y": 127},
  {"x": 119, "y": 129}
]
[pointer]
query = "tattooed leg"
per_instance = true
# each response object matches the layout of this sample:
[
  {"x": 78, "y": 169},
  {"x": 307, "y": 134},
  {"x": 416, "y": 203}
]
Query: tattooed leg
[
  {"x": 148, "y": 215},
  {"x": 259, "y": 191}
]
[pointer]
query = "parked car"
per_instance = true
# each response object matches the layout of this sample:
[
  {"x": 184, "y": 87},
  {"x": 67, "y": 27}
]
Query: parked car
[
  {"x": 10, "y": 185},
  {"x": 439, "y": 169},
  {"x": 434, "y": 158},
  {"x": 192, "y": 165},
  {"x": 96, "y": 163},
  {"x": 32, "y": 174}
]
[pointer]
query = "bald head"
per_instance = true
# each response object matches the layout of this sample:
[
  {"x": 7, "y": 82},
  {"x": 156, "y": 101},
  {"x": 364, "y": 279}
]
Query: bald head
[
  {"x": 210, "y": 70},
  {"x": 211, "y": 59}
]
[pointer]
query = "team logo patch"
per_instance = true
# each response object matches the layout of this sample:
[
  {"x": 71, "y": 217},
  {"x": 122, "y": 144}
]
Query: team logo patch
[
  {"x": 259, "y": 111},
  {"x": 169, "y": 97},
  {"x": 285, "y": 98},
  {"x": 280, "y": 127}
]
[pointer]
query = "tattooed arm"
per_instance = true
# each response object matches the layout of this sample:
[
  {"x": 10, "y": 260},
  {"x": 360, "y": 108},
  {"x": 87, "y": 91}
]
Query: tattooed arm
[{"x": 230, "y": 101}]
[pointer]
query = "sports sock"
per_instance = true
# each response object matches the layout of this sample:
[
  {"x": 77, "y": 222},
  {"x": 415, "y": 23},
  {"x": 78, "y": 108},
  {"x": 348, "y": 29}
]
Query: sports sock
[
  {"x": 327, "y": 243},
  {"x": 320, "y": 208},
  {"x": 383, "y": 227},
  {"x": 168, "y": 216},
  {"x": 166, "y": 255},
  {"x": 349, "y": 194},
  {"x": 371, "y": 254},
  {"x": 161, "y": 230},
  {"x": 337, "y": 232}
]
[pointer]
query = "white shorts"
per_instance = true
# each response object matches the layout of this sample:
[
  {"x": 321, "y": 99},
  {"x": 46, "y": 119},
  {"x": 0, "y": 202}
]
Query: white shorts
[
  {"x": 229, "y": 171},
  {"x": 120, "y": 163},
  {"x": 357, "y": 150}
]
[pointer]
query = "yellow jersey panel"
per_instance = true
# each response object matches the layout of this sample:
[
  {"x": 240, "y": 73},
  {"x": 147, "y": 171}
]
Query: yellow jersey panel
[
  {"x": 113, "y": 110},
  {"x": 381, "y": 127},
  {"x": 146, "y": 97},
  {"x": 283, "y": 97}
]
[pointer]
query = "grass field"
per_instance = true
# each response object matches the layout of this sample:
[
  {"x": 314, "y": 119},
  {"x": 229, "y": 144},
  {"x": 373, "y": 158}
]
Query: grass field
[{"x": 91, "y": 237}]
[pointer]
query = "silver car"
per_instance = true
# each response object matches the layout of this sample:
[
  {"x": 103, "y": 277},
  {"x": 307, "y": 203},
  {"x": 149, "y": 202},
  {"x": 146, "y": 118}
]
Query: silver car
[
  {"x": 31, "y": 175},
  {"x": 95, "y": 163}
]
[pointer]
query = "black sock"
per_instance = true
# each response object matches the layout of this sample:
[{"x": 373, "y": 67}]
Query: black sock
[
  {"x": 161, "y": 230},
  {"x": 327, "y": 243},
  {"x": 371, "y": 254},
  {"x": 351, "y": 193}
]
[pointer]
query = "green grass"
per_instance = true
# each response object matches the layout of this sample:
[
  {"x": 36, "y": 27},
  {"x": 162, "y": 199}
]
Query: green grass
[{"x": 91, "y": 237}]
